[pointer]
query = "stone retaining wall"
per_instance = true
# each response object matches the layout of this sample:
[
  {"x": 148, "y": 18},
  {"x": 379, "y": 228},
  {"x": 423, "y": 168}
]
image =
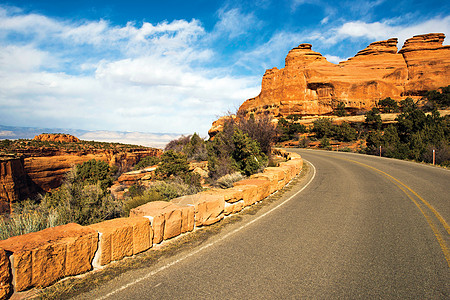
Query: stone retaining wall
[{"x": 39, "y": 259}]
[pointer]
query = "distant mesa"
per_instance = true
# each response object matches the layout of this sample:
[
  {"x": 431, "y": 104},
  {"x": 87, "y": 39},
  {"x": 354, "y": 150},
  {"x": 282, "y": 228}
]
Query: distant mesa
[
  {"x": 310, "y": 85},
  {"x": 56, "y": 137}
]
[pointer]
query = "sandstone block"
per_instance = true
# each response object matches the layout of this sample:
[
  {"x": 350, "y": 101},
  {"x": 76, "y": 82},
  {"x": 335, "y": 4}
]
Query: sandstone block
[
  {"x": 230, "y": 195},
  {"x": 280, "y": 175},
  {"x": 188, "y": 218},
  {"x": 233, "y": 208},
  {"x": 271, "y": 177},
  {"x": 41, "y": 258},
  {"x": 263, "y": 187},
  {"x": 122, "y": 237},
  {"x": 167, "y": 218},
  {"x": 249, "y": 194},
  {"x": 5, "y": 277},
  {"x": 208, "y": 208}
]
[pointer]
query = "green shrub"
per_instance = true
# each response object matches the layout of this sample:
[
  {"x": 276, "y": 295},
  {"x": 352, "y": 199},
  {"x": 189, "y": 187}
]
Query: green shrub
[
  {"x": 172, "y": 164},
  {"x": 162, "y": 191},
  {"x": 147, "y": 161},
  {"x": 322, "y": 128},
  {"x": 340, "y": 110},
  {"x": 289, "y": 130},
  {"x": 325, "y": 144},
  {"x": 193, "y": 146},
  {"x": 138, "y": 200},
  {"x": 93, "y": 172},
  {"x": 388, "y": 105},
  {"x": 373, "y": 119},
  {"x": 247, "y": 154}
]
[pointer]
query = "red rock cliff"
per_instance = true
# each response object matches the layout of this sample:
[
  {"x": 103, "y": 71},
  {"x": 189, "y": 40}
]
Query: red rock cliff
[
  {"x": 40, "y": 170},
  {"x": 15, "y": 184},
  {"x": 310, "y": 85}
]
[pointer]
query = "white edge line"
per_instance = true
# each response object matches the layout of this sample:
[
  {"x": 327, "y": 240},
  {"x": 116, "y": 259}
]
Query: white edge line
[{"x": 212, "y": 243}]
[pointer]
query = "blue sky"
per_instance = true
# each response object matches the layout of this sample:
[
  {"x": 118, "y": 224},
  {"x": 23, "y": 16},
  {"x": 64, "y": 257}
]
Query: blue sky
[{"x": 174, "y": 66}]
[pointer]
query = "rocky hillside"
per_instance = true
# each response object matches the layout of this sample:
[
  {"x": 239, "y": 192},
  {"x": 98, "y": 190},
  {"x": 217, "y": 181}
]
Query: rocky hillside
[
  {"x": 310, "y": 85},
  {"x": 28, "y": 167}
]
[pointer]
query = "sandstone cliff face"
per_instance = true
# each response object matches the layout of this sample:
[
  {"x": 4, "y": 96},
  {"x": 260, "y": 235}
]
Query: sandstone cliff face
[
  {"x": 14, "y": 182},
  {"x": 310, "y": 85},
  {"x": 41, "y": 170}
]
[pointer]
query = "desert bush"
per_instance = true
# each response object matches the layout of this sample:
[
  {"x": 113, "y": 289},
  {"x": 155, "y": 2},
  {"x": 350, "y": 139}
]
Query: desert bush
[
  {"x": 161, "y": 191},
  {"x": 304, "y": 142},
  {"x": 325, "y": 143},
  {"x": 82, "y": 204},
  {"x": 193, "y": 146},
  {"x": 288, "y": 129},
  {"x": 227, "y": 180},
  {"x": 261, "y": 130},
  {"x": 195, "y": 149},
  {"x": 233, "y": 150},
  {"x": 322, "y": 128},
  {"x": 373, "y": 119},
  {"x": 344, "y": 132},
  {"x": 147, "y": 161},
  {"x": 93, "y": 172},
  {"x": 340, "y": 110},
  {"x": 172, "y": 164},
  {"x": 439, "y": 99},
  {"x": 138, "y": 200},
  {"x": 388, "y": 105}
]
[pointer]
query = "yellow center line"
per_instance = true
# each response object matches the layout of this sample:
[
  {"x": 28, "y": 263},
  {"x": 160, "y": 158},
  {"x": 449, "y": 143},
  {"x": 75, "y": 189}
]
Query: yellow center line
[
  {"x": 435, "y": 212},
  {"x": 436, "y": 232},
  {"x": 403, "y": 187}
]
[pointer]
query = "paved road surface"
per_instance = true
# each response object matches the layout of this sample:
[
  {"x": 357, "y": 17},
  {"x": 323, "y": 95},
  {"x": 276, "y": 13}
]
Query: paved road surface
[{"x": 360, "y": 230}]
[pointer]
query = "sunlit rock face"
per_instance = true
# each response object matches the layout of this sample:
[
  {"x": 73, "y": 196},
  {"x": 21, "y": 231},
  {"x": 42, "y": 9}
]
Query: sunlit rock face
[{"x": 310, "y": 85}]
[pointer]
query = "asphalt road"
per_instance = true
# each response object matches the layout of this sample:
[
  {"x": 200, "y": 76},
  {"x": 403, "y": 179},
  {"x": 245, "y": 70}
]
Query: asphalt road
[{"x": 363, "y": 228}]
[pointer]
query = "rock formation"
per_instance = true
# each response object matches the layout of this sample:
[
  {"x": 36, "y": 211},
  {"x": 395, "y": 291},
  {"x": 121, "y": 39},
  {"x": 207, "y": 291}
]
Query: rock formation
[
  {"x": 310, "y": 85},
  {"x": 15, "y": 184},
  {"x": 57, "y": 137},
  {"x": 40, "y": 170}
]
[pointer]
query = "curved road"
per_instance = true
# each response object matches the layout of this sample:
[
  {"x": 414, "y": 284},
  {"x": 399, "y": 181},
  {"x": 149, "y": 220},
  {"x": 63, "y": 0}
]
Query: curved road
[{"x": 363, "y": 227}]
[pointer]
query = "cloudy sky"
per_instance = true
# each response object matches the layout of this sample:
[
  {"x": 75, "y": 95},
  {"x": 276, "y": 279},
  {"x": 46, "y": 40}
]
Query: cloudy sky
[{"x": 174, "y": 66}]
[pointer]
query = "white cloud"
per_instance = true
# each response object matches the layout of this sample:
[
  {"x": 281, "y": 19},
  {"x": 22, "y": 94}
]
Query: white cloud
[
  {"x": 233, "y": 23},
  {"x": 334, "y": 59},
  {"x": 136, "y": 78},
  {"x": 388, "y": 29}
]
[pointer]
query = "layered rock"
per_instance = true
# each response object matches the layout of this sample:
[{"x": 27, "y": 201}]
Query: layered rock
[
  {"x": 41, "y": 170},
  {"x": 310, "y": 85},
  {"x": 428, "y": 63},
  {"x": 15, "y": 184},
  {"x": 57, "y": 137}
]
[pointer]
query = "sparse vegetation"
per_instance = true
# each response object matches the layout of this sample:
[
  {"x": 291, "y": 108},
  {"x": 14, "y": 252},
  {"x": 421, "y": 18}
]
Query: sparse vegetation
[
  {"x": 147, "y": 161},
  {"x": 414, "y": 134},
  {"x": 83, "y": 198}
]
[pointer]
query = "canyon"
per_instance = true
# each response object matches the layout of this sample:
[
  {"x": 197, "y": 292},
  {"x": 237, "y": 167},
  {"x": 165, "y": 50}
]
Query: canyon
[
  {"x": 32, "y": 170},
  {"x": 310, "y": 85}
]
